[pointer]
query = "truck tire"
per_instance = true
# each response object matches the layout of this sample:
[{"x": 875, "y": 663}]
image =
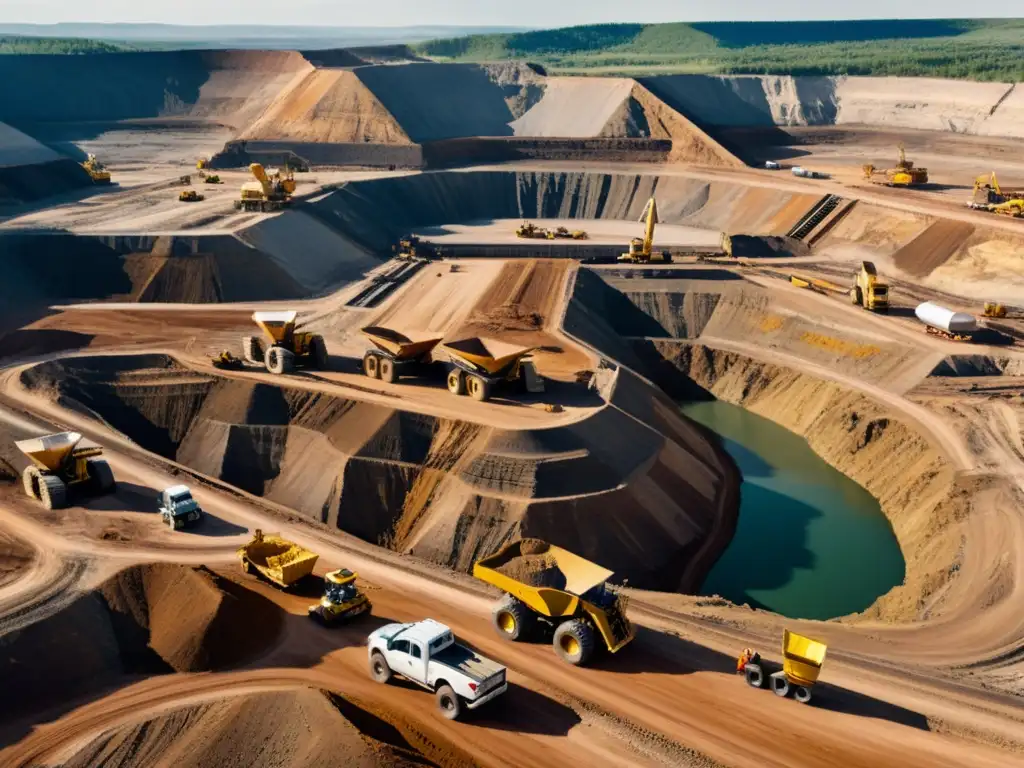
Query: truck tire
[
  {"x": 53, "y": 492},
  {"x": 478, "y": 388},
  {"x": 388, "y": 372},
  {"x": 856, "y": 296},
  {"x": 574, "y": 641},
  {"x": 101, "y": 478},
  {"x": 802, "y": 694},
  {"x": 31, "y": 478},
  {"x": 755, "y": 675},
  {"x": 252, "y": 350},
  {"x": 279, "y": 360},
  {"x": 512, "y": 618},
  {"x": 371, "y": 365},
  {"x": 448, "y": 702},
  {"x": 379, "y": 669},
  {"x": 780, "y": 685},
  {"x": 318, "y": 353},
  {"x": 456, "y": 382}
]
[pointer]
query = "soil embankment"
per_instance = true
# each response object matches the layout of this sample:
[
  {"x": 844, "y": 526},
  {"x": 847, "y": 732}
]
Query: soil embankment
[
  {"x": 30, "y": 171},
  {"x": 447, "y": 490}
]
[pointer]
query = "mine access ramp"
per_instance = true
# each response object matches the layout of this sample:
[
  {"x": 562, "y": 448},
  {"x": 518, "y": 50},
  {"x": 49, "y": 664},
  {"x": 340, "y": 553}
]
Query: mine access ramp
[{"x": 547, "y": 587}]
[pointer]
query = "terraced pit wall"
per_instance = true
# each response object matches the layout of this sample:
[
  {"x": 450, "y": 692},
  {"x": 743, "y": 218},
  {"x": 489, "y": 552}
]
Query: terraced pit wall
[{"x": 632, "y": 486}]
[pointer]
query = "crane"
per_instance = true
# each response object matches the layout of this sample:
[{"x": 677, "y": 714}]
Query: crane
[{"x": 641, "y": 249}]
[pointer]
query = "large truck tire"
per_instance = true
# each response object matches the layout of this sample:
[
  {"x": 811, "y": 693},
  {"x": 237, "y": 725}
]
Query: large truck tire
[
  {"x": 101, "y": 476},
  {"x": 371, "y": 365},
  {"x": 279, "y": 360},
  {"x": 252, "y": 350},
  {"x": 802, "y": 694},
  {"x": 478, "y": 388},
  {"x": 388, "y": 371},
  {"x": 448, "y": 702},
  {"x": 32, "y": 480},
  {"x": 754, "y": 674},
  {"x": 53, "y": 492},
  {"x": 379, "y": 669},
  {"x": 574, "y": 641},
  {"x": 512, "y": 618},
  {"x": 780, "y": 685},
  {"x": 456, "y": 382},
  {"x": 318, "y": 353}
]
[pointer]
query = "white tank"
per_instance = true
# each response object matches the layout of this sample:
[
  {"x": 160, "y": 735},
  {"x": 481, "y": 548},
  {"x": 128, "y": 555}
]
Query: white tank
[
  {"x": 798, "y": 171},
  {"x": 945, "y": 319}
]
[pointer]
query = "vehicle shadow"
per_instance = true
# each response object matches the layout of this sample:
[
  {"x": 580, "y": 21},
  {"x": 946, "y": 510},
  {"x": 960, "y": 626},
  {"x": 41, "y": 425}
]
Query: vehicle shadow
[
  {"x": 523, "y": 710},
  {"x": 128, "y": 497}
]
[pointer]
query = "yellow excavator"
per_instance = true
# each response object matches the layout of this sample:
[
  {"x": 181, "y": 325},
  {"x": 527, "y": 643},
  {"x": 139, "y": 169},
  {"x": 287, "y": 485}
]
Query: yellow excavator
[
  {"x": 271, "y": 191},
  {"x": 640, "y": 249},
  {"x": 989, "y": 196},
  {"x": 96, "y": 170},
  {"x": 903, "y": 175}
]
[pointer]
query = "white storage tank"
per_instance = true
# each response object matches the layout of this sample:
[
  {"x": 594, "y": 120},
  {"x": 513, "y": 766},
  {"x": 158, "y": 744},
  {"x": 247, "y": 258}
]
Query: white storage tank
[
  {"x": 798, "y": 171},
  {"x": 945, "y": 319}
]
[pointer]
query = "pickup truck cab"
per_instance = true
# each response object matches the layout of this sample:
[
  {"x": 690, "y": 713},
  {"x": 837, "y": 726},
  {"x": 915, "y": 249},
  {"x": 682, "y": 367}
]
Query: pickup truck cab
[
  {"x": 177, "y": 507},
  {"x": 426, "y": 653}
]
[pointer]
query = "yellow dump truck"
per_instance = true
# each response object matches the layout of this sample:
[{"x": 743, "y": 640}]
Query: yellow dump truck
[
  {"x": 802, "y": 659},
  {"x": 547, "y": 587},
  {"x": 480, "y": 365},
  {"x": 397, "y": 354},
  {"x": 283, "y": 348},
  {"x": 868, "y": 290},
  {"x": 61, "y": 463},
  {"x": 278, "y": 560}
]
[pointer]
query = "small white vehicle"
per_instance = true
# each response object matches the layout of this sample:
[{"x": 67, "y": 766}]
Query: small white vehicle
[
  {"x": 177, "y": 507},
  {"x": 426, "y": 653},
  {"x": 771, "y": 165}
]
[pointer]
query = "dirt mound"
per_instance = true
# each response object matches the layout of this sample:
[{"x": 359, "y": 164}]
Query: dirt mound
[
  {"x": 933, "y": 247},
  {"x": 148, "y": 619},
  {"x": 280, "y": 729},
  {"x": 15, "y": 555},
  {"x": 534, "y": 565},
  {"x": 576, "y": 107}
]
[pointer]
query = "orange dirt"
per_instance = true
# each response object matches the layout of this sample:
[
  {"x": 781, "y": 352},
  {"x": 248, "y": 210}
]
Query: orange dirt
[{"x": 933, "y": 247}]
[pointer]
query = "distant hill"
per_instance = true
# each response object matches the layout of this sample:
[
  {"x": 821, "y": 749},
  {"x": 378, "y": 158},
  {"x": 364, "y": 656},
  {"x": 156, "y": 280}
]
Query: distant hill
[
  {"x": 984, "y": 49},
  {"x": 15, "y": 44}
]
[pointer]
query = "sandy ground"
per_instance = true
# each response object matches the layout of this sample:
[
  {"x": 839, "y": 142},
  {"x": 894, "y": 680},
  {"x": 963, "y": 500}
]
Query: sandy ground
[{"x": 599, "y": 232}]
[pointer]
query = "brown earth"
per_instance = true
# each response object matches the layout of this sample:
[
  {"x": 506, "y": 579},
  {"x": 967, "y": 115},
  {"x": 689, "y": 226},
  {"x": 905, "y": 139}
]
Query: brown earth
[{"x": 932, "y": 248}]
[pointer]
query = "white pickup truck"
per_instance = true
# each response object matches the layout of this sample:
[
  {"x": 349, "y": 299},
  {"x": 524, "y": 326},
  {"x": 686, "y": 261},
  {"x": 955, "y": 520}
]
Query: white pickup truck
[{"x": 426, "y": 653}]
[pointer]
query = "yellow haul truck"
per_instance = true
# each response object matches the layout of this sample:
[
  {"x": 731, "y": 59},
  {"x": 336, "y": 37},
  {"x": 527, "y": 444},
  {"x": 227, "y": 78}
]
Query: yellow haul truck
[
  {"x": 479, "y": 366},
  {"x": 802, "y": 659},
  {"x": 396, "y": 354},
  {"x": 545, "y": 585},
  {"x": 342, "y": 599},
  {"x": 287, "y": 347},
  {"x": 868, "y": 291},
  {"x": 278, "y": 560},
  {"x": 61, "y": 463}
]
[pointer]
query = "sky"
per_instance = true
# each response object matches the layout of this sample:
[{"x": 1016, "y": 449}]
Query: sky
[{"x": 525, "y": 13}]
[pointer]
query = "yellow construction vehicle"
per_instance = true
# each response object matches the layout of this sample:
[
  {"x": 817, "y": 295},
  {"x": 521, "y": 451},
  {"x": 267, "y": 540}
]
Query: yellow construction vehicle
[
  {"x": 989, "y": 196},
  {"x": 228, "y": 361},
  {"x": 640, "y": 249},
  {"x": 202, "y": 163},
  {"x": 61, "y": 463},
  {"x": 278, "y": 560},
  {"x": 818, "y": 285},
  {"x": 190, "y": 196},
  {"x": 531, "y": 231},
  {"x": 562, "y": 233},
  {"x": 397, "y": 354},
  {"x": 868, "y": 291},
  {"x": 411, "y": 248},
  {"x": 547, "y": 587},
  {"x": 993, "y": 309},
  {"x": 284, "y": 348},
  {"x": 185, "y": 180},
  {"x": 903, "y": 175},
  {"x": 212, "y": 178},
  {"x": 802, "y": 659},
  {"x": 271, "y": 191},
  {"x": 96, "y": 170},
  {"x": 342, "y": 600},
  {"x": 480, "y": 366}
]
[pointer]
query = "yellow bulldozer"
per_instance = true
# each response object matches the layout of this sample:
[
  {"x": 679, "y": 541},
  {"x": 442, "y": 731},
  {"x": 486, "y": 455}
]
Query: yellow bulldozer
[
  {"x": 96, "y": 170},
  {"x": 283, "y": 348},
  {"x": 563, "y": 233},
  {"x": 641, "y": 249},
  {"x": 903, "y": 175},
  {"x": 550, "y": 588},
  {"x": 271, "y": 191},
  {"x": 342, "y": 599},
  {"x": 531, "y": 231},
  {"x": 868, "y": 291},
  {"x": 278, "y": 560},
  {"x": 802, "y": 659},
  {"x": 190, "y": 196},
  {"x": 481, "y": 365},
  {"x": 62, "y": 463}
]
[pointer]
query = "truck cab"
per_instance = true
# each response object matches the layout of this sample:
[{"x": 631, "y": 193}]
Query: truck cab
[
  {"x": 426, "y": 653},
  {"x": 177, "y": 507}
]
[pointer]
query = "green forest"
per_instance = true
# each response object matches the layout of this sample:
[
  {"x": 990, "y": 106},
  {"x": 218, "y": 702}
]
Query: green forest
[
  {"x": 982, "y": 49},
  {"x": 13, "y": 44}
]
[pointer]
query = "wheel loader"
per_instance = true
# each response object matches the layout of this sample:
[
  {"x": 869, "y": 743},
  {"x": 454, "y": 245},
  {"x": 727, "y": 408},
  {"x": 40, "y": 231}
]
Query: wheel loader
[
  {"x": 61, "y": 465},
  {"x": 547, "y": 587},
  {"x": 868, "y": 291},
  {"x": 480, "y": 366},
  {"x": 283, "y": 348},
  {"x": 342, "y": 599}
]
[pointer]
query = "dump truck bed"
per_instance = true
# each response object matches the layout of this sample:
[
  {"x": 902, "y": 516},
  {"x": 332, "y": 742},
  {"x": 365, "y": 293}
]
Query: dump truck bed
[
  {"x": 489, "y": 355},
  {"x": 49, "y": 451},
  {"x": 280, "y": 560},
  {"x": 401, "y": 346},
  {"x": 802, "y": 658},
  {"x": 275, "y": 324}
]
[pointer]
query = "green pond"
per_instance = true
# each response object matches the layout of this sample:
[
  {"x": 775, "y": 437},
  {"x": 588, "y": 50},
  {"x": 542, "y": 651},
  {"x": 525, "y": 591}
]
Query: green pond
[{"x": 810, "y": 543}]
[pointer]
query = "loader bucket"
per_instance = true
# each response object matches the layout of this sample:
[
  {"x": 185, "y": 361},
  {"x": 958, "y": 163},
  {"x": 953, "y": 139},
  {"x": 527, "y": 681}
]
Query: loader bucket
[
  {"x": 49, "y": 451},
  {"x": 399, "y": 345},
  {"x": 488, "y": 355},
  {"x": 277, "y": 325},
  {"x": 802, "y": 658}
]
